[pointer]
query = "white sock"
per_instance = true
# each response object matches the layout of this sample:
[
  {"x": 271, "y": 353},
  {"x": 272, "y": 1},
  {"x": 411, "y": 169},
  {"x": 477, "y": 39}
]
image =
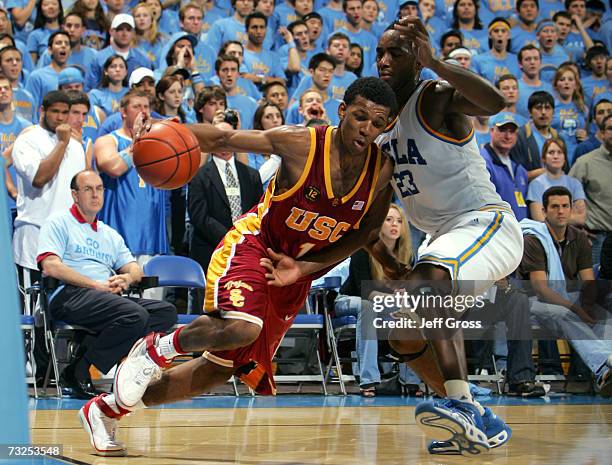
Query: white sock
[
  {"x": 165, "y": 347},
  {"x": 112, "y": 403},
  {"x": 458, "y": 389}
]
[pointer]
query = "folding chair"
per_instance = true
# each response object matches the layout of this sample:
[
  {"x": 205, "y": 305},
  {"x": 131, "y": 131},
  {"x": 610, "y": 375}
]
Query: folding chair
[
  {"x": 178, "y": 271},
  {"x": 27, "y": 326},
  {"x": 305, "y": 326},
  {"x": 339, "y": 329},
  {"x": 53, "y": 330},
  {"x": 336, "y": 329}
]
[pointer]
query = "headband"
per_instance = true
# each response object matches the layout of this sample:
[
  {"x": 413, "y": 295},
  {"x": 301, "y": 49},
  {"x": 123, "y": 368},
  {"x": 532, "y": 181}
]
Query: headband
[{"x": 498, "y": 23}]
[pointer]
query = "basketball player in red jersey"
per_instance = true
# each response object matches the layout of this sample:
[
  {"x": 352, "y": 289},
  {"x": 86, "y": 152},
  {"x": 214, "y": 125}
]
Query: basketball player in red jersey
[{"x": 333, "y": 187}]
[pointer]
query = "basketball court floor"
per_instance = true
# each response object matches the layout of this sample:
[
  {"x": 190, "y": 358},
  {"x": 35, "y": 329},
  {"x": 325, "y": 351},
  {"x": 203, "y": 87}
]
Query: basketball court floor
[{"x": 313, "y": 429}]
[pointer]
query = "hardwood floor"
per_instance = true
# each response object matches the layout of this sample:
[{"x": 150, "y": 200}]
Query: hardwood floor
[{"x": 542, "y": 434}]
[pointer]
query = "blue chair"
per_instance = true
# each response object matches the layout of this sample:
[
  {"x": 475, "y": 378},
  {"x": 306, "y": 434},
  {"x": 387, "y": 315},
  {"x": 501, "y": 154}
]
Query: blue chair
[
  {"x": 176, "y": 271},
  {"x": 306, "y": 325}
]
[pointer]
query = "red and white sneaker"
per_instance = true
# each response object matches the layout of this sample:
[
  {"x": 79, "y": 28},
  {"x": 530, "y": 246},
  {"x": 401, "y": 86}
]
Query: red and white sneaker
[
  {"x": 140, "y": 367},
  {"x": 100, "y": 422}
]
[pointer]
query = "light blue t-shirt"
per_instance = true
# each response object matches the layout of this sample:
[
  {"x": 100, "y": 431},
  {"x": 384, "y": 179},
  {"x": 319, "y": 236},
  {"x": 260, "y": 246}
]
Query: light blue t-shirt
[
  {"x": 24, "y": 104},
  {"x": 246, "y": 106},
  {"x": 366, "y": 39},
  {"x": 492, "y": 68},
  {"x": 265, "y": 62},
  {"x": 107, "y": 99},
  {"x": 41, "y": 82},
  {"x": 551, "y": 61},
  {"x": 525, "y": 92},
  {"x": 22, "y": 33},
  {"x": 135, "y": 209},
  {"x": 538, "y": 186},
  {"x": 477, "y": 40},
  {"x": 224, "y": 30},
  {"x": 38, "y": 39},
  {"x": 82, "y": 58},
  {"x": 593, "y": 86},
  {"x": 521, "y": 37},
  {"x": 567, "y": 119},
  {"x": 8, "y": 134},
  {"x": 95, "y": 253}
]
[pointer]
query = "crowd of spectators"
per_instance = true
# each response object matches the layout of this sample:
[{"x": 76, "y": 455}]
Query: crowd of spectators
[{"x": 75, "y": 74}]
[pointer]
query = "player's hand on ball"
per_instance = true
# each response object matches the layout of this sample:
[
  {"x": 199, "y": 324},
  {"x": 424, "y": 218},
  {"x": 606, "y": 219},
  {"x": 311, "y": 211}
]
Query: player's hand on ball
[{"x": 282, "y": 270}]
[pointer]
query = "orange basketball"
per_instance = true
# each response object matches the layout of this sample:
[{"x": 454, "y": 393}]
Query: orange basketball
[{"x": 167, "y": 156}]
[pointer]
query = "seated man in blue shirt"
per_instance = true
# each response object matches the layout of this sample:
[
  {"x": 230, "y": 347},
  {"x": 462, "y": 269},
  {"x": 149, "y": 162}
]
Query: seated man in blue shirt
[
  {"x": 95, "y": 267},
  {"x": 509, "y": 178}
]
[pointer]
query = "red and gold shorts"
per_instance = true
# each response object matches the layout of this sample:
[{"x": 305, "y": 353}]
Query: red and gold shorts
[{"x": 237, "y": 288}]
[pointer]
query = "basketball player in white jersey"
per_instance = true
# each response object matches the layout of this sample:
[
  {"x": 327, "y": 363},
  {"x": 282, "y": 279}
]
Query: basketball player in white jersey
[{"x": 445, "y": 187}]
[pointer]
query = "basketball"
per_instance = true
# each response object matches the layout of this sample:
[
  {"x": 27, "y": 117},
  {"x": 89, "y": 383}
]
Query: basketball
[{"x": 167, "y": 156}]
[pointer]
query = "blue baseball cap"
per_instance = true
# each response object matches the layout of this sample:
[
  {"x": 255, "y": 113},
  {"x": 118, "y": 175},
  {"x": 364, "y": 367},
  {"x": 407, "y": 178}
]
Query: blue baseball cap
[
  {"x": 70, "y": 75},
  {"x": 503, "y": 118}
]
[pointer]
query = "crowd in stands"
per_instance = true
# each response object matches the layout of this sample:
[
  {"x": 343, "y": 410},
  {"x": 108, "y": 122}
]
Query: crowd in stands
[{"x": 74, "y": 75}]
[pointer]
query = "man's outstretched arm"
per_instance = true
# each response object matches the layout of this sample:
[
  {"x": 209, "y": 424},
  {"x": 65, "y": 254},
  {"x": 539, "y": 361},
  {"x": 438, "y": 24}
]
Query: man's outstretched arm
[
  {"x": 466, "y": 92},
  {"x": 289, "y": 142}
]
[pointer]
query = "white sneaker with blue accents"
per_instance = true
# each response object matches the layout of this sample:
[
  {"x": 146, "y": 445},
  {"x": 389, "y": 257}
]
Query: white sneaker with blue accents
[
  {"x": 453, "y": 421},
  {"x": 497, "y": 431}
]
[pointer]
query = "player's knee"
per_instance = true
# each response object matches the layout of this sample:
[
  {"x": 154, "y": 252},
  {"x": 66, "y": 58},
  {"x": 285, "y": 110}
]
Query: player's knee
[{"x": 407, "y": 347}]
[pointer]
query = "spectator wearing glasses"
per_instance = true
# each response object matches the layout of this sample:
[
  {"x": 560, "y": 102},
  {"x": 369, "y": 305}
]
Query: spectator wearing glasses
[{"x": 95, "y": 268}]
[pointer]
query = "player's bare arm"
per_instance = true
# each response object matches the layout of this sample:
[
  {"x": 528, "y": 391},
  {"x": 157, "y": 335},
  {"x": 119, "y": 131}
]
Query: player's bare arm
[
  {"x": 464, "y": 92},
  {"x": 291, "y": 143},
  {"x": 283, "y": 270}
]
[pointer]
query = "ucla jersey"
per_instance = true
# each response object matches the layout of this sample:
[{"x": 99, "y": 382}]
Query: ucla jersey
[
  {"x": 135, "y": 209},
  {"x": 436, "y": 177}
]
